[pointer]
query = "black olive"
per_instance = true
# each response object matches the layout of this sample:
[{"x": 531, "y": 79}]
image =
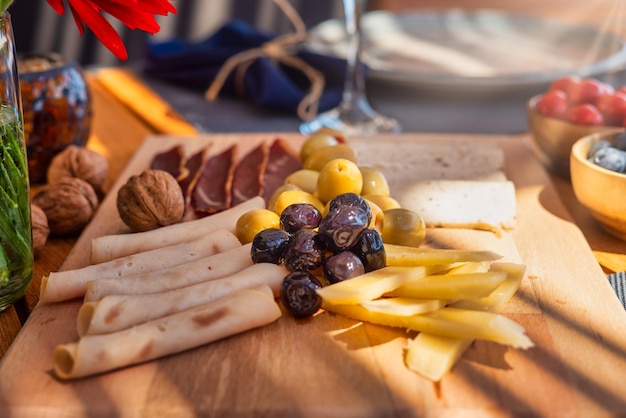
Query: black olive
[{"x": 298, "y": 294}]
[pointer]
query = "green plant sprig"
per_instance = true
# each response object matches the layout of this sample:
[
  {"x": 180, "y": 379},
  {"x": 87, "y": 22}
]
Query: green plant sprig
[
  {"x": 15, "y": 224},
  {"x": 4, "y": 5}
]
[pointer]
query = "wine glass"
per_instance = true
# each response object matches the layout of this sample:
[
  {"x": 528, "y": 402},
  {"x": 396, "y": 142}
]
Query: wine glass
[{"x": 354, "y": 115}]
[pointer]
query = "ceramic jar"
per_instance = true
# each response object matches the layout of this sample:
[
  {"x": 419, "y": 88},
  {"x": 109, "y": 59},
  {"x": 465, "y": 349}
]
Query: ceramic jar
[{"x": 57, "y": 108}]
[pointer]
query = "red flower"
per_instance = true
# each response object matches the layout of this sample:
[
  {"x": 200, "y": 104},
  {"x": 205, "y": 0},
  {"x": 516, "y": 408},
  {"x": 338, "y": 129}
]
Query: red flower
[{"x": 135, "y": 14}]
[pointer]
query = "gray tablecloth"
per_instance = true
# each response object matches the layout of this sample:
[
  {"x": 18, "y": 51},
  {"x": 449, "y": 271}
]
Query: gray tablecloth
[{"x": 486, "y": 111}]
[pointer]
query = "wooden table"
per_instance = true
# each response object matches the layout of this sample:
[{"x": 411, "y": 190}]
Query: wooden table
[{"x": 115, "y": 120}]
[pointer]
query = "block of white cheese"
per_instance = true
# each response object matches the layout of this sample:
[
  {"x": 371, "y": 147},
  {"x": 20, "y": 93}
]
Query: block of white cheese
[
  {"x": 438, "y": 158},
  {"x": 488, "y": 205},
  {"x": 450, "y": 182}
]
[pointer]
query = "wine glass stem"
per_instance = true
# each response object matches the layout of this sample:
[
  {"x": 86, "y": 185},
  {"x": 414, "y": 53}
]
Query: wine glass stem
[{"x": 354, "y": 89}]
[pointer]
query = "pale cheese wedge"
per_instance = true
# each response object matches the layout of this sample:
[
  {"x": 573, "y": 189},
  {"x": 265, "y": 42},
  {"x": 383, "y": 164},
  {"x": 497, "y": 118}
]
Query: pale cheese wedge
[
  {"x": 486, "y": 205},
  {"x": 450, "y": 183}
]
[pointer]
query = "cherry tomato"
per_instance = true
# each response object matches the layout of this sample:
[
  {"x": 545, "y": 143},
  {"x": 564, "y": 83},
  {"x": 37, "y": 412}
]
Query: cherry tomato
[
  {"x": 553, "y": 104},
  {"x": 587, "y": 91},
  {"x": 585, "y": 114},
  {"x": 613, "y": 108},
  {"x": 565, "y": 83},
  {"x": 608, "y": 89}
]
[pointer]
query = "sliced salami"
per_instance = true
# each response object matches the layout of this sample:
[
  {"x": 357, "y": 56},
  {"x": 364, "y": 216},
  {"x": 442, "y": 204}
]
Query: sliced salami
[
  {"x": 171, "y": 161},
  {"x": 248, "y": 175},
  {"x": 212, "y": 192},
  {"x": 282, "y": 161}
]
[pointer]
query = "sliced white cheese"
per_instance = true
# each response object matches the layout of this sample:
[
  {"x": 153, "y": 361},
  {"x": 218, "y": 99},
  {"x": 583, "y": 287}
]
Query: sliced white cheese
[
  {"x": 489, "y": 205},
  {"x": 439, "y": 158},
  {"x": 450, "y": 182}
]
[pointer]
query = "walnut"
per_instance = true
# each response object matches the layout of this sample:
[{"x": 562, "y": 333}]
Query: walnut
[
  {"x": 69, "y": 204},
  {"x": 80, "y": 162},
  {"x": 150, "y": 200},
  {"x": 40, "y": 227}
]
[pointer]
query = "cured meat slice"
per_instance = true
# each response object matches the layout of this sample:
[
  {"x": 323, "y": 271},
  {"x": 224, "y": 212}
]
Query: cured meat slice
[
  {"x": 248, "y": 175},
  {"x": 193, "y": 165},
  {"x": 212, "y": 192},
  {"x": 171, "y": 161},
  {"x": 282, "y": 161}
]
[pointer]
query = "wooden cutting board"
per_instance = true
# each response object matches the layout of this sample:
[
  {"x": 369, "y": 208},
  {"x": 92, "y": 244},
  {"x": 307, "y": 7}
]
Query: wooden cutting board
[{"x": 333, "y": 366}]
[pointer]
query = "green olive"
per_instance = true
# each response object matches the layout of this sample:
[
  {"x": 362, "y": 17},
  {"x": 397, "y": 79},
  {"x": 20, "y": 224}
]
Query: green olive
[
  {"x": 338, "y": 176},
  {"x": 377, "y": 212},
  {"x": 319, "y": 158},
  {"x": 290, "y": 197},
  {"x": 374, "y": 181},
  {"x": 271, "y": 203},
  {"x": 251, "y": 223},
  {"x": 305, "y": 180},
  {"x": 316, "y": 141},
  {"x": 385, "y": 202},
  {"x": 403, "y": 227}
]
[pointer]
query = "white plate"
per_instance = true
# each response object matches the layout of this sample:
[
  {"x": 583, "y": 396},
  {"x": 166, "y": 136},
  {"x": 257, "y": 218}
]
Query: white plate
[{"x": 473, "y": 48}]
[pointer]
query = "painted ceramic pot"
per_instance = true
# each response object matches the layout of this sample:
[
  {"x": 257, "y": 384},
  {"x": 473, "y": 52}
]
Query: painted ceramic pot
[{"x": 57, "y": 108}]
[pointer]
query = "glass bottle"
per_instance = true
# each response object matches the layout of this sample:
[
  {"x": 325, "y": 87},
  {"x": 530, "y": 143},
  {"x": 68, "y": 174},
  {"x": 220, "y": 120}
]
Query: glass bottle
[{"x": 16, "y": 251}]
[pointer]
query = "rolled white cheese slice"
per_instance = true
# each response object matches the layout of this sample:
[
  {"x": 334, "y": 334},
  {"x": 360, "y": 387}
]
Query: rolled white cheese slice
[
  {"x": 197, "y": 271},
  {"x": 109, "y": 247},
  {"x": 117, "y": 312},
  {"x": 241, "y": 311},
  {"x": 69, "y": 284}
]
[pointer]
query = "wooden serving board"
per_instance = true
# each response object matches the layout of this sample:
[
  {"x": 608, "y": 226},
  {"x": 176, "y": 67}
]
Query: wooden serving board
[{"x": 333, "y": 366}]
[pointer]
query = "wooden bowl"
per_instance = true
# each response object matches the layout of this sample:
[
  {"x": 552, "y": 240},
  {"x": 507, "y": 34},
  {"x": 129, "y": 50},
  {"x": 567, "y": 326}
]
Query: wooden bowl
[
  {"x": 553, "y": 138},
  {"x": 602, "y": 192}
]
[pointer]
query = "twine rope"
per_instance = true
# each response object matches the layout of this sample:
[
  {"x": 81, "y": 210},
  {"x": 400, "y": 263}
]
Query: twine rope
[{"x": 282, "y": 50}]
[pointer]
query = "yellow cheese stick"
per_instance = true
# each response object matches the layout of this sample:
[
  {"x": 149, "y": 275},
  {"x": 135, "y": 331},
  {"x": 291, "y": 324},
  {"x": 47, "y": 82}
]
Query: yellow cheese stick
[
  {"x": 432, "y": 356},
  {"x": 404, "y": 306},
  {"x": 452, "y": 286},
  {"x": 448, "y": 322},
  {"x": 374, "y": 284},
  {"x": 399, "y": 255}
]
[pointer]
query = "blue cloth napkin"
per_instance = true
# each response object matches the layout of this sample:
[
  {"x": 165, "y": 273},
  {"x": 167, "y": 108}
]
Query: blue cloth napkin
[{"x": 267, "y": 83}]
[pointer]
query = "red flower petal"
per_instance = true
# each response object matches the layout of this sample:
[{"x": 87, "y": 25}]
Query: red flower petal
[
  {"x": 57, "y": 6},
  {"x": 103, "y": 30},
  {"x": 133, "y": 18},
  {"x": 159, "y": 7},
  {"x": 79, "y": 22},
  {"x": 135, "y": 14}
]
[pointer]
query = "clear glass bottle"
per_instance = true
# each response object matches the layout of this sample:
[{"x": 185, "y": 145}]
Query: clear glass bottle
[{"x": 16, "y": 251}]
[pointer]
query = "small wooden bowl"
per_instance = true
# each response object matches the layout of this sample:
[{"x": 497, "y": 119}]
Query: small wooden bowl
[
  {"x": 553, "y": 138},
  {"x": 602, "y": 192}
]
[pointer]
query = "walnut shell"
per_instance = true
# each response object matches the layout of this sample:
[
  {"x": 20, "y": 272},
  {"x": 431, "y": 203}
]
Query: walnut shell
[
  {"x": 69, "y": 204},
  {"x": 40, "y": 227},
  {"x": 80, "y": 162},
  {"x": 150, "y": 200}
]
